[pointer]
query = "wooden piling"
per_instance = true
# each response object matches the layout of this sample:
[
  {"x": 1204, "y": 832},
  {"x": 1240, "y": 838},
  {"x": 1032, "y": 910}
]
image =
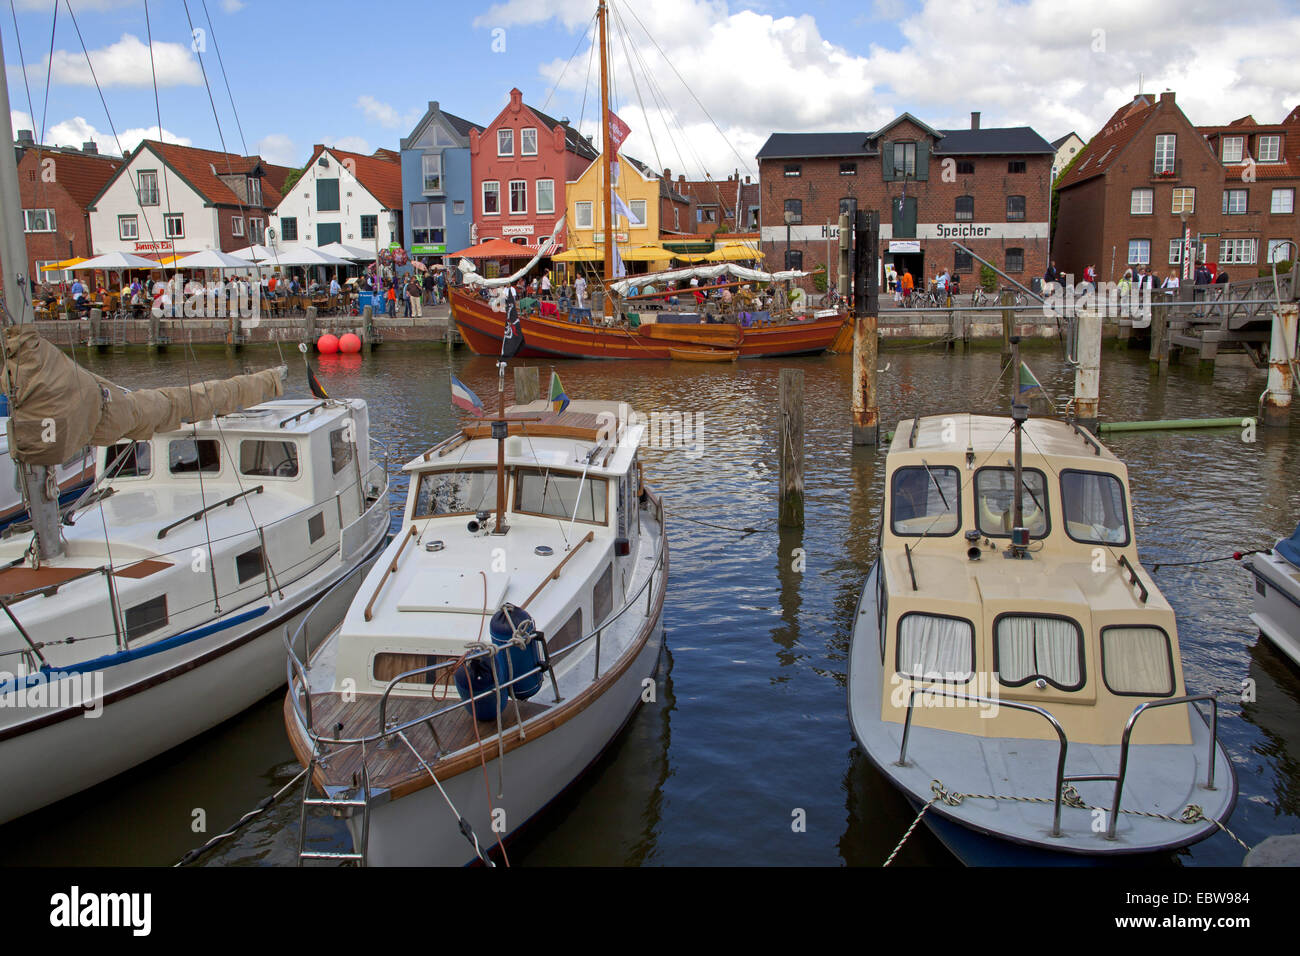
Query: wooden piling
[
  {"x": 791, "y": 448},
  {"x": 1281, "y": 353},
  {"x": 96, "y": 330},
  {"x": 1160, "y": 336},
  {"x": 526, "y": 384},
  {"x": 1008, "y": 321},
  {"x": 866, "y": 413},
  {"x": 846, "y": 268},
  {"x": 1087, "y": 374},
  {"x": 154, "y": 341},
  {"x": 309, "y": 326}
]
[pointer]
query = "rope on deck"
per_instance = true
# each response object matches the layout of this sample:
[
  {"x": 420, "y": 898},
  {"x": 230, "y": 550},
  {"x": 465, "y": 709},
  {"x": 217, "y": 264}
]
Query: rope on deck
[{"x": 261, "y": 808}]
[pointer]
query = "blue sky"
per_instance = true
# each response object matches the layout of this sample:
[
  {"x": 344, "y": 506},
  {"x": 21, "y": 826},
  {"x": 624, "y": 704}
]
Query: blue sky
[{"x": 359, "y": 76}]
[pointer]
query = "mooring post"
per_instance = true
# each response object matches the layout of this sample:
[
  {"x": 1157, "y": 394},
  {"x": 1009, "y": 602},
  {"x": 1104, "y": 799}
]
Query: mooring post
[
  {"x": 526, "y": 384},
  {"x": 232, "y": 334},
  {"x": 1008, "y": 300},
  {"x": 96, "y": 319},
  {"x": 866, "y": 306},
  {"x": 846, "y": 266},
  {"x": 1087, "y": 374},
  {"x": 155, "y": 334},
  {"x": 309, "y": 326},
  {"x": 791, "y": 448},
  {"x": 1160, "y": 335},
  {"x": 1281, "y": 353}
]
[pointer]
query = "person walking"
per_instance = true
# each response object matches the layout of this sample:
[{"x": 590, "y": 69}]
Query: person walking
[
  {"x": 580, "y": 291},
  {"x": 908, "y": 284},
  {"x": 405, "y": 288},
  {"x": 546, "y": 285},
  {"x": 391, "y": 297},
  {"x": 416, "y": 294}
]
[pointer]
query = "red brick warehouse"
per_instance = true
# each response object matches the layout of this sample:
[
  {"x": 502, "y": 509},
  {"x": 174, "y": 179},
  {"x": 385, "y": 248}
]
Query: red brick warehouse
[{"x": 988, "y": 188}]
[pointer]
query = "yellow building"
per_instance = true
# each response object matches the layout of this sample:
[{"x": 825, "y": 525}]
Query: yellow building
[{"x": 635, "y": 185}]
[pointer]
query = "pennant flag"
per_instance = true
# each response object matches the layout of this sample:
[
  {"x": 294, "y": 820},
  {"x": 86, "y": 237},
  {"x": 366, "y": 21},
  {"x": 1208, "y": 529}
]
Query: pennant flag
[
  {"x": 463, "y": 397},
  {"x": 513, "y": 340},
  {"x": 558, "y": 399},
  {"x": 620, "y": 270},
  {"x": 1028, "y": 381},
  {"x": 618, "y": 131},
  {"x": 312, "y": 383},
  {"x": 621, "y": 209},
  {"x": 613, "y": 171}
]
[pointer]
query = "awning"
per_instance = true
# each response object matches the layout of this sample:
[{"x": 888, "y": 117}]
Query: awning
[
  {"x": 65, "y": 264},
  {"x": 497, "y": 249},
  {"x": 580, "y": 254},
  {"x": 649, "y": 252}
]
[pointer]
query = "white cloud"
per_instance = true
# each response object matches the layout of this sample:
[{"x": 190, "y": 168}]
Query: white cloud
[
  {"x": 232, "y": 6},
  {"x": 279, "y": 149},
  {"x": 77, "y": 131},
  {"x": 386, "y": 115},
  {"x": 350, "y": 144},
  {"x": 124, "y": 63}
]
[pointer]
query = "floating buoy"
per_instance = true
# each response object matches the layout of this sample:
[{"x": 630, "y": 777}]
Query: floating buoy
[
  {"x": 327, "y": 344},
  {"x": 350, "y": 343}
]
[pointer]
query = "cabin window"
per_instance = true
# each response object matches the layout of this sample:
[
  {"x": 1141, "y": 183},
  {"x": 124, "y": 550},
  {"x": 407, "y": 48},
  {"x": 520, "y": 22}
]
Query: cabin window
[
  {"x": 135, "y": 458},
  {"x": 146, "y": 618},
  {"x": 386, "y": 666},
  {"x": 925, "y": 500},
  {"x": 602, "y": 595},
  {"x": 1137, "y": 661},
  {"x": 1094, "y": 507},
  {"x": 1028, "y": 647},
  {"x": 316, "y": 527},
  {"x": 189, "y": 456},
  {"x": 340, "y": 449},
  {"x": 269, "y": 459},
  {"x": 995, "y": 501},
  {"x": 249, "y": 565},
  {"x": 456, "y": 492},
  {"x": 934, "y": 647},
  {"x": 566, "y": 635},
  {"x": 562, "y": 496}
]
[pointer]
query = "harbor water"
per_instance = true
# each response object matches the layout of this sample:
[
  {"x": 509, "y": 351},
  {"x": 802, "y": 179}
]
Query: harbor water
[{"x": 746, "y": 756}]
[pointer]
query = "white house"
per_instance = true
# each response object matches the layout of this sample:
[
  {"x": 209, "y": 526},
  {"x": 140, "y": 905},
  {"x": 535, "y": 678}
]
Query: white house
[
  {"x": 343, "y": 197},
  {"x": 1067, "y": 147},
  {"x": 169, "y": 199}
]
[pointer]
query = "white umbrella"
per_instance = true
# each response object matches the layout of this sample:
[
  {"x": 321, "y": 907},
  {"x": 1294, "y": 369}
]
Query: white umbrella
[
  {"x": 255, "y": 253},
  {"x": 212, "y": 259},
  {"x": 307, "y": 256},
  {"x": 114, "y": 261},
  {"x": 347, "y": 252}
]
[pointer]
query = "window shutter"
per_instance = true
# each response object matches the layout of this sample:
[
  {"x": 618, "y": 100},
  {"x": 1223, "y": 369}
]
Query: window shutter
[
  {"x": 922, "y": 160},
  {"x": 887, "y": 160}
]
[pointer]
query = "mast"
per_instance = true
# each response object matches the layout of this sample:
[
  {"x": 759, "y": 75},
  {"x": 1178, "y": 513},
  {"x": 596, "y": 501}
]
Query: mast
[{"x": 607, "y": 161}]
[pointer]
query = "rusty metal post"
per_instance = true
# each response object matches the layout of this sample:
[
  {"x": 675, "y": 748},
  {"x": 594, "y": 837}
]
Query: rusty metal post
[
  {"x": 846, "y": 268},
  {"x": 866, "y": 305},
  {"x": 1087, "y": 374},
  {"x": 1281, "y": 355},
  {"x": 791, "y": 448},
  {"x": 526, "y": 384}
]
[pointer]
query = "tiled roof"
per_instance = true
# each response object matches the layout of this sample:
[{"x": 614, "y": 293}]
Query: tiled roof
[
  {"x": 574, "y": 141},
  {"x": 83, "y": 175},
  {"x": 203, "y": 169},
  {"x": 380, "y": 175},
  {"x": 276, "y": 176},
  {"x": 952, "y": 142},
  {"x": 1103, "y": 149},
  {"x": 801, "y": 145},
  {"x": 1288, "y": 168},
  {"x": 1058, "y": 143},
  {"x": 460, "y": 125},
  {"x": 1005, "y": 140}
]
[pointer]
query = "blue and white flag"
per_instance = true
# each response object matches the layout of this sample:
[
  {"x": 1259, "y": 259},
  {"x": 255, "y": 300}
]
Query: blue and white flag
[
  {"x": 463, "y": 397},
  {"x": 621, "y": 209}
]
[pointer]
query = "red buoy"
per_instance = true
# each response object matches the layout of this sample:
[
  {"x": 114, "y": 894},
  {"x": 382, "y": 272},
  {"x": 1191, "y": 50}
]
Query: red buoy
[
  {"x": 327, "y": 344},
  {"x": 350, "y": 343}
]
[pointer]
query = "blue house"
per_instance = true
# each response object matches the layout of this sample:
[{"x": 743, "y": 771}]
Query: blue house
[{"x": 437, "y": 184}]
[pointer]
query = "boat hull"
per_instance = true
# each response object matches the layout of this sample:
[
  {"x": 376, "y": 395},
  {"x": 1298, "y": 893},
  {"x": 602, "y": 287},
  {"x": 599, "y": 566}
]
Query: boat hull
[
  {"x": 1277, "y": 602},
  {"x": 482, "y": 329}
]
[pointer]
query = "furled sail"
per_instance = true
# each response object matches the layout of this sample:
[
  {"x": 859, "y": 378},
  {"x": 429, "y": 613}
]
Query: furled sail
[{"x": 57, "y": 407}]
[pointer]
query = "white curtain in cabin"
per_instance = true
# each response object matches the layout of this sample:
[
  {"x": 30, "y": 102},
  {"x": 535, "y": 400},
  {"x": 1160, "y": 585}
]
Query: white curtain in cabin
[
  {"x": 1031, "y": 647},
  {"x": 1136, "y": 660},
  {"x": 1094, "y": 507},
  {"x": 935, "y": 647}
]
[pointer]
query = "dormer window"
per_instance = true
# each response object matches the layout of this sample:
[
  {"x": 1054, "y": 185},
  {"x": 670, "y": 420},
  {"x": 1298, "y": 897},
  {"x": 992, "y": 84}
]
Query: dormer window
[
  {"x": 1269, "y": 149},
  {"x": 904, "y": 160},
  {"x": 254, "y": 191},
  {"x": 1233, "y": 147}
]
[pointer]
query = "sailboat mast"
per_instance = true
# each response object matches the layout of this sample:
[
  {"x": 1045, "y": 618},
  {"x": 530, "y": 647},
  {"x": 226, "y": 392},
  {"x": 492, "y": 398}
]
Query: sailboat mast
[
  {"x": 607, "y": 158},
  {"x": 13, "y": 248}
]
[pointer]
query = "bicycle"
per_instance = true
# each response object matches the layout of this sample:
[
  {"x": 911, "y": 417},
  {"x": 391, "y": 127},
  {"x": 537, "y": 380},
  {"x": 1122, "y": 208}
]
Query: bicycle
[{"x": 831, "y": 300}]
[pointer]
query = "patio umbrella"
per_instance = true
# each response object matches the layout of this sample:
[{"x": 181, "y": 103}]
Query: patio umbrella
[
  {"x": 648, "y": 253},
  {"x": 497, "y": 249},
  {"x": 116, "y": 261},
  {"x": 65, "y": 264},
  {"x": 343, "y": 251},
  {"x": 734, "y": 252},
  {"x": 211, "y": 259},
  {"x": 580, "y": 254},
  {"x": 255, "y": 253},
  {"x": 306, "y": 256}
]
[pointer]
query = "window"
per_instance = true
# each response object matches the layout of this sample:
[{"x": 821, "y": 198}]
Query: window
[
  {"x": 369, "y": 225},
  {"x": 1139, "y": 252},
  {"x": 1269, "y": 149},
  {"x": 794, "y": 211},
  {"x": 602, "y": 595},
  {"x": 39, "y": 220},
  {"x": 905, "y": 160},
  {"x": 1016, "y": 166},
  {"x": 1141, "y": 202},
  {"x": 559, "y": 495},
  {"x": 638, "y": 207},
  {"x": 505, "y": 142},
  {"x": 254, "y": 191},
  {"x": 268, "y": 459},
  {"x": 566, "y": 635},
  {"x": 174, "y": 225},
  {"x": 528, "y": 142},
  {"x": 706, "y": 213},
  {"x": 137, "y": 463},
  {"x": 146, "y": 618},
  {"x": 1280, "y": 250},
  {"x": 794, "y": 259},
  {"x": 431, "y": 168},
  {"x": 249, "y": 565},
  {"x": 961, "y": 261},
  {"x": 1234, "y": 202},
  {"x": 1094, "y": 507},
  {"x": 995, "y": 502},
  {"x": 965, "y": 211},
  {"x": 965, "y": 167},
  {"x": 327, "y": 232},
  {"x": 315, "y": 527},
  {"x": 1032, "y": 647},
  {"x": 128, "y": 227},
  {"x": 925, "y": 501},
  {"x": 1015, "y": 209},
  {"x": 458, "y": 207},
  {"x": 236, "y": 225},
  {"x": 1015, "y": 260},
  {"x": 582, "y": 215},
  {"x": 256, "y": 229},
  {"x": 327, "y": 195},
  {"x": 188, "y": 456},
  {"x": 147, "y": 188},
  {"x": 1184, "y": 200},
  {"x": 546, "y": 197},
  {"x": 1137, "y": 661},
  {"x": 492, "y": 198},
  {"x": 1282, "y": 201},
  {"x": 1165, "y": 152},
  {"x": 428, "y": 223},
  {"x": 518, "y": 196},
  {"x": 1239, "y": 251},
  {"x": 1175, "y": 251},
  {"x": 289, "y": 229},
  {"x": 340, "y": 450},
  {"x": 1233, "y": 146},
  {"x": 849, "y": 205},
  {"x": 848, "y": 169},
  {"x": 793, "y": 169},
  {"x": 935, "y": 647}
]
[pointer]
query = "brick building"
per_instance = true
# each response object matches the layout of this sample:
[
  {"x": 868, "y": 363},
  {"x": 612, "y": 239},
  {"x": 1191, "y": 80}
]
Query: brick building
[
  {"x": 987, "y": 188},
  {"x": 716, "y": 202},
  {"x": 1149, "y": 174}
]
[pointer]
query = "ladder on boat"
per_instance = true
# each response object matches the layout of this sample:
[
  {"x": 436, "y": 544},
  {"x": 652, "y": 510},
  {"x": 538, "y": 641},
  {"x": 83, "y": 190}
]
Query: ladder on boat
[{"x": 341, "y": 802}]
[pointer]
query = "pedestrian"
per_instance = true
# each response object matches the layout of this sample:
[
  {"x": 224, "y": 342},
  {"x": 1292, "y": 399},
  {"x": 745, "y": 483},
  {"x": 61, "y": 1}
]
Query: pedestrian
[
  {"x": 546, "y": 285},
  {"x": 406, "y": 296},
  {"x": 1050, "y": 275},
  {"x": 580, "y": 292},
  {"x": 908, "y": 284},
  {"x": 391, "y": 296},
  {"x": 416, "y": 295},
  {"x": 1171, "y": 282},
  {"x": 954, "y": 285}
]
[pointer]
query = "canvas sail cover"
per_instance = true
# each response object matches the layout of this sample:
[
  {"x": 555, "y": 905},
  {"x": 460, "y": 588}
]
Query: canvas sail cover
[{"x": 58, "y": 408}]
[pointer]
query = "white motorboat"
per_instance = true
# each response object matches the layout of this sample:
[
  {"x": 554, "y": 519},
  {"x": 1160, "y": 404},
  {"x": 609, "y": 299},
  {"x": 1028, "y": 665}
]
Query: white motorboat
[
  {"x": 547, "y": 613},
  {"x": 1013, "y": 668},
  {"x": 1277, "y": 594},
  {"x": 160, "y": 614}
]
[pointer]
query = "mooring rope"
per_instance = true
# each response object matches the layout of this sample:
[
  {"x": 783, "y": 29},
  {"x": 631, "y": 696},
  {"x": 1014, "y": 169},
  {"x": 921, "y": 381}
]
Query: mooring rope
[
  {"x": 261, "y": 808},
  {"x": 1235, "y": 556}
]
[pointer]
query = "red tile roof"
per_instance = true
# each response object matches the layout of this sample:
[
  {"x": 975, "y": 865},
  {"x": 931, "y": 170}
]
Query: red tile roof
[
  {"x": 203, "y": 169},
  {"x": 1288, "y": 168},
  {"x": 83, "y": 175},
  {"x": 380, "y": 175},
  {"x": 1104, "y": 148}
]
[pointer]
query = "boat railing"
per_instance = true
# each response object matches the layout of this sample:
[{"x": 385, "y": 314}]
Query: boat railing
[{"x": 300, "y": 694}]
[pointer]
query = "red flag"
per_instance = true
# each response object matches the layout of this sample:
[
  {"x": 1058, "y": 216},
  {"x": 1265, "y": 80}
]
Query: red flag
[{"x": 618, "y": 131}]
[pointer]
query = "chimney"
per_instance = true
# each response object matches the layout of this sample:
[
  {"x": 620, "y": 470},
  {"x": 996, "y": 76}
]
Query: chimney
[
  {"x": 90, "y": 147},
  {"x": 668, "y": 174},
  {"x": 1167, "y": 98},
  {"x": 25, "y": 138},
  {"x": 974, "y": 120},
  {"x": 746, "y": 180}
]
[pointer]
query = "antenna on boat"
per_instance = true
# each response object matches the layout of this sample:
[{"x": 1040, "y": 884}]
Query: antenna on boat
[{"x": 1019, "y": 415}]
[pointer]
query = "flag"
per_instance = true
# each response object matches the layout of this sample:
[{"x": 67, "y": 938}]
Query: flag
[
  {"x": 513, "y": 340},
  {"x": 558, "y": 399},
  {"x": 613, "y": 171},
  {"x": 316, "y": 388},
  {"x": 463, "y": 397},
  {"x": 1028, "y": 381},
  {"x": 618, "y": 131},
  {"x": 620, "y": 270},
  {"x": 621, "y": 208}
]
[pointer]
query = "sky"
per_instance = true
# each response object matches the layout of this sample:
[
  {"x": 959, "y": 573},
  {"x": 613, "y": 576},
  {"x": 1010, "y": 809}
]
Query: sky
[{"x": 702, "y": 83}]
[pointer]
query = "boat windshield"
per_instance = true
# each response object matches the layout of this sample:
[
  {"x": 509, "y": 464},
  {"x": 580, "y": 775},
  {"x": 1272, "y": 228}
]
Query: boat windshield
[
  {"x": 926, "y": 500},
  {"x": 556, "y": 495},
  {"x": 458, "y": 492},
  {"x": 995, "y": 502},
  {"x": 1094, "y": 507}
]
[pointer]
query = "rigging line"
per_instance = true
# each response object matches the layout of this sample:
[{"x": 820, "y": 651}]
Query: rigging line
[
  {"x": 203, "y": 500},
  {"x": 28, "y": 86},
  {"x": 546, "y": 477},
  {"x": 666, "y": 115},
  {"x": 217, "y": 46},
  {"x": 49, "y": 68},
  {"x": 582, "y": 36},
  {"x": 586, "y": 87},
  {"x": 623, "y": 37}
]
